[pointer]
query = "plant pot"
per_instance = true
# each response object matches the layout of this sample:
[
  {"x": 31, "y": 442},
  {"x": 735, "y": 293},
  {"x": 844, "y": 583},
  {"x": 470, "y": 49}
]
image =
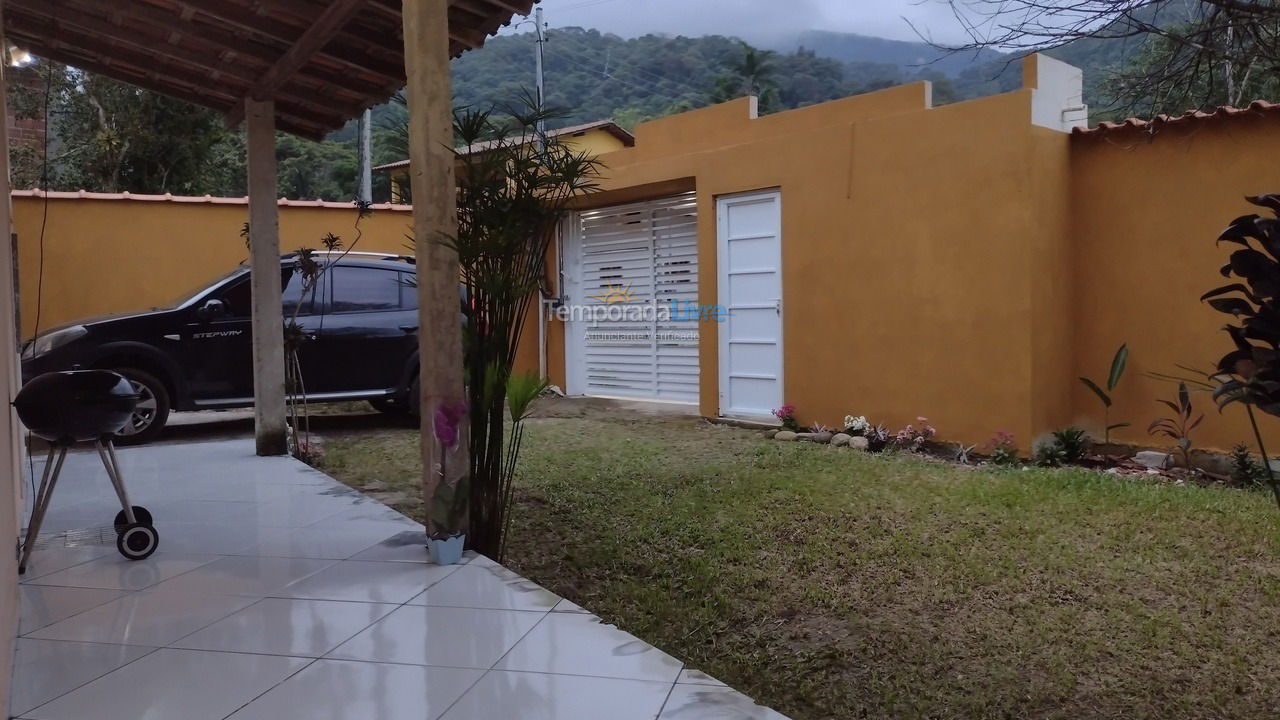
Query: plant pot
[{"x": 447, "y": 551}]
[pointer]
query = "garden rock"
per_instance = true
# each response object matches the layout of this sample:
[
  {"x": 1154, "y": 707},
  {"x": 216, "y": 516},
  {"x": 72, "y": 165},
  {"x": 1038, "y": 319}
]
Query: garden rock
[
  {"x": 840, "y": 439},
  {"x": 1153, "y": 459},
  {"x": 785, "y": 435},
  {"x": 823, "y": 437},
  {"x": 859, "y": 443},
  {"x": 770, "y": 433},
  {"x": 805, "y": 436}
]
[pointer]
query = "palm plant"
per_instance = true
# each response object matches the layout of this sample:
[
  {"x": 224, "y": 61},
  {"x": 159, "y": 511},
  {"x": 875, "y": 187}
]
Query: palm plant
[
  {"x": 1118, "y": 362},
  {"x": 1178, "y": 427},
  {"x": 514, "y": 188}
]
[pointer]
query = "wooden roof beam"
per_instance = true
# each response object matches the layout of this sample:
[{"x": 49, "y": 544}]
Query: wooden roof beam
[
  {"x": 328, "y": 25},
  {"x": 84, "y": 13},
  {"x": 232, "y": 14},
  {"x": 196, "y": 90},
  {"x": 146, "y": 59}
]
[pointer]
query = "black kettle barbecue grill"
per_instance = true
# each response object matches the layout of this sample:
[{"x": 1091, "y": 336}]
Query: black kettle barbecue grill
[{"x": 75, "y": 406}]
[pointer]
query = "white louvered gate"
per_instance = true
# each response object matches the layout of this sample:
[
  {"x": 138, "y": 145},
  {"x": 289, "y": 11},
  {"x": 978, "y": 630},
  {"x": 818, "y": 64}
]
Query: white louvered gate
[{"x": 619, "y": 260}]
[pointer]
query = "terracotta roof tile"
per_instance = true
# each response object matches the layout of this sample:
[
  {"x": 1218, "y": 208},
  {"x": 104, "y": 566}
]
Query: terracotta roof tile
[
  {"x": 169, "y": 197},
  {"x": 1255, "y": 108}
]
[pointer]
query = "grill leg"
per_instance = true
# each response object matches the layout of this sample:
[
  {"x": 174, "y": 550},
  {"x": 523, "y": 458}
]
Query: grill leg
[
  {"x": 43, "y": 496},
  {"x": 107, "y": 451}
]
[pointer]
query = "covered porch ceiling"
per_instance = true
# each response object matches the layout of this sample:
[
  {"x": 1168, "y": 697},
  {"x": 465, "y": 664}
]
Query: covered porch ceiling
[{"x": 322, "y": 63}]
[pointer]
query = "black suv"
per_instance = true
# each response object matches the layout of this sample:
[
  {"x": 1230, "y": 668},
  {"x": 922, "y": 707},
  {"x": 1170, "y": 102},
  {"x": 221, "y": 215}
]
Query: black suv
[{"x": 361, "y": 321}]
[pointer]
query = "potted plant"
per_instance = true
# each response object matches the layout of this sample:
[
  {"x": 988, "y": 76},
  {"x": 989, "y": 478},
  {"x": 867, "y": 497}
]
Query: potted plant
[{"x": 448, "y": 509}]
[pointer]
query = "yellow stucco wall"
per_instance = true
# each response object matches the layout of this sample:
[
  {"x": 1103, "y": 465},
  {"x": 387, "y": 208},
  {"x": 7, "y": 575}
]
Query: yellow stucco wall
[
  {"x": 1145, "y": 213},
  {"x": 107, "y": 256},
  {"x": 906, "y": 249},
  {"x": 963, "y": 264}
]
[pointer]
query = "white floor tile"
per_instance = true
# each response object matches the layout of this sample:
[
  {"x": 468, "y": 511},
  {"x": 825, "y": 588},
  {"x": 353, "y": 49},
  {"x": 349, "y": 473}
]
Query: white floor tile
[
  {"x": 567, "y": 606},
  {"x": 329, "y": 541},
  {"x": 540, "y": 696},
  {"x": 205, "y": 538},
  {"x": 689, "y": 676},
  {"x": 117, "y": 573},
  {"x": 342, "y": 690},
  {"x": 705, "y": 702},
  {"x": 454, "y": 637},
  {"x": 172, "y": 684},
  {"x": 252, "y": 576},
  {"x": 276, "y": 626},
  {"x": 576, "y": 644},
  {"x": 496, "y": 588},
  {"x": 407, "y": 546},
  {"x": 152, "y": 619},
  {"x": 360, "y": 581},
  {"x": 49, "y": 560},
  {"x": 43, "y": 605},
  {"x": 46, "y": 669}
]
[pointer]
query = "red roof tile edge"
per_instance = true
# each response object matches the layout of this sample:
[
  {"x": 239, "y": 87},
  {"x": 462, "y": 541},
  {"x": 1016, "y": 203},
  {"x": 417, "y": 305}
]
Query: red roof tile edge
[
  {"x": 1257, "y": 107},
  {"x": 168, "y": 197}
]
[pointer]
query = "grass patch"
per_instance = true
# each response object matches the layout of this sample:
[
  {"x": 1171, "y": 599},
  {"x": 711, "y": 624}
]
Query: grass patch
[{"x": 828, "y": 583}]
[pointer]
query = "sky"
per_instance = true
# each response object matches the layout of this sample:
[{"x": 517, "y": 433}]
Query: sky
[{"x": 756, "y": 20}]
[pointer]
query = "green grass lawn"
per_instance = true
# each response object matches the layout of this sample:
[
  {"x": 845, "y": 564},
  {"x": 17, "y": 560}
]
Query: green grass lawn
[{"x": 828, "y": 583}]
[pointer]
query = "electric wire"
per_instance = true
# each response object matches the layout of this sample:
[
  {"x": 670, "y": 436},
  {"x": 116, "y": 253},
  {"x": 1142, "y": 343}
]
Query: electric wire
[{"x": 44, "y": 223}]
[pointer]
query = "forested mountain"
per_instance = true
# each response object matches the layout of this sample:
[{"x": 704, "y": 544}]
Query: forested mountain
[{"x": 589, "y": 76}]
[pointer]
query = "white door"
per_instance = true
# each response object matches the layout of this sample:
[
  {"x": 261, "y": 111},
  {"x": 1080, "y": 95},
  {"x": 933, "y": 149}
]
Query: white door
[
  {"x": 635, "y": 269},
  {"x": 749, "y": 257}
]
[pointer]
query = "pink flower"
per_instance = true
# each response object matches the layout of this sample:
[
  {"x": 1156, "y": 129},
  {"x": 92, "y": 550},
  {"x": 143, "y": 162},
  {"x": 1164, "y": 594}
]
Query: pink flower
[{"x": 446, "y": 421}]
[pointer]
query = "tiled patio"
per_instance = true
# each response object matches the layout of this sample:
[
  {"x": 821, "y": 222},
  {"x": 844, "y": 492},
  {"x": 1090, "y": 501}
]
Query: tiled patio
[{"x": 279, "y": 593}]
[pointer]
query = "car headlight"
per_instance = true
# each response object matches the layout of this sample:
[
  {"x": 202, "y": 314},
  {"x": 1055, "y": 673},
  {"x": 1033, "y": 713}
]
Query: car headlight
[{"x": 51, "y": 341}]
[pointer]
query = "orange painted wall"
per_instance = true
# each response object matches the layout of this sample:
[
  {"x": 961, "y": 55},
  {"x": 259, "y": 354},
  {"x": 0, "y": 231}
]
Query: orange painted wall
[
  {"x": 107, "y": 256},
  {"x": 1145, "y": 213},
  {"x": 905, "y": 246}
]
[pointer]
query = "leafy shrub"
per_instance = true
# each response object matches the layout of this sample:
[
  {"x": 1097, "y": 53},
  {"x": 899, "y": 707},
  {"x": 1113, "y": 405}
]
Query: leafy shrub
[
  {"x": 1074, "y": 442},
  {"x": 913, "y": 437},
  {"x": 1003, "y": 448},
  {"x": 818, "y": 427},
  {"x": 1246, "y": 471},
  {"x": 878, "y": 437},
  {"x": 787, "y": 414},
  {"x": 1048, "y": 452},
  {"x": 1251, "y": 372},
  {"x": 1178, "y": 428}
]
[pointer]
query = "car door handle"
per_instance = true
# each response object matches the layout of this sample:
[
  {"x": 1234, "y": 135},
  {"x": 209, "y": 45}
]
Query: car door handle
[{"x": 409, "y": 328}]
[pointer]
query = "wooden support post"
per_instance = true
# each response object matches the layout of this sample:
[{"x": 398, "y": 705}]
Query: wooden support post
[
  {"x": 426, "y": 59},
  {"x": 264, "y": 279}
]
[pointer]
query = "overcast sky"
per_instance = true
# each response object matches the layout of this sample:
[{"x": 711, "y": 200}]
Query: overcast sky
[{"x": 756, "y": 20}]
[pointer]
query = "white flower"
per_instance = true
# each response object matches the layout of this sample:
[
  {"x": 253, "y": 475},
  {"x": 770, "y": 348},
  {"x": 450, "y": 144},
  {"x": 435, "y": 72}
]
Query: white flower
[{"x": 855, "y": 423}]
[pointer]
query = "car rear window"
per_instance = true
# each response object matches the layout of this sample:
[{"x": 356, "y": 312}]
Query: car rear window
[{"x": 362, "y": 289}]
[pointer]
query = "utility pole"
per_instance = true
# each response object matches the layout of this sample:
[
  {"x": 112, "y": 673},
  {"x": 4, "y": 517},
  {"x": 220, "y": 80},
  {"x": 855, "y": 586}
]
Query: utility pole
[
  {"x": 539, "y": 84},
  {"x": 366, "y": 155}
]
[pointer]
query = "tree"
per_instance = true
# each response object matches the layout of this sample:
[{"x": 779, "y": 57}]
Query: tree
[
  {"x": 752, "y": 74},
  {"x": 113, "y": 137},
  {"x": 1197, "y": 54}
]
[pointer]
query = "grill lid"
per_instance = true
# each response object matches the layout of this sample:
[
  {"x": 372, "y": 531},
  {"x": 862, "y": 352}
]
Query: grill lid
[{"x": 76, "y": 405}]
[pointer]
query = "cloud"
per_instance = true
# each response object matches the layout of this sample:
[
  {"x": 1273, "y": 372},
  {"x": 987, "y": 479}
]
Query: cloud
[{"x": 757, "y": 20}]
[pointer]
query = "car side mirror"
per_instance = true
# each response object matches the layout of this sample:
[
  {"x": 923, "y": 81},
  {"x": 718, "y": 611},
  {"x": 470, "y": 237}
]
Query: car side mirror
[{"x": 212, "y": 310}]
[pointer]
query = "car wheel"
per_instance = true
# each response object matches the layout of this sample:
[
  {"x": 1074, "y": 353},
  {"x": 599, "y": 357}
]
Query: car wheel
[
  {"x": 390, "y": 406},
  {"x": 152, "y": 411},
  {"x": 415, "y": 398}
]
